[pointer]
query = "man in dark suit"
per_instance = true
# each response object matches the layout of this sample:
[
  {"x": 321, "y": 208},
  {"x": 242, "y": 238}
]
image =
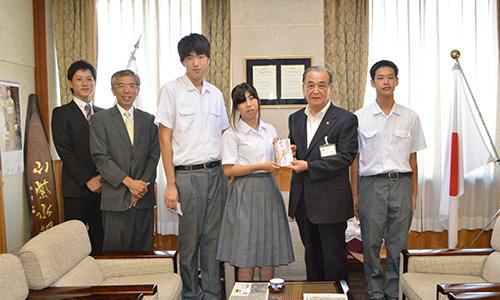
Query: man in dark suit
[
  {"x": 325, "y": 143},
  {"x": 81, "y": 183},
  {"x": 125, "y": 148}
]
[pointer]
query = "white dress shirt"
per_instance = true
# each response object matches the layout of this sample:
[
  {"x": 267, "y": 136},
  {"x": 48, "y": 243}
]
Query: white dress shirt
[
  {"x": 81, "y": 105},
  {"x": 313, "y": 122},
  {"x": 386, "y": 142},
  {"x": 197, "y": 120},
  {"x": 123, "y": 110},
  {"x": 246, "y": 146}
]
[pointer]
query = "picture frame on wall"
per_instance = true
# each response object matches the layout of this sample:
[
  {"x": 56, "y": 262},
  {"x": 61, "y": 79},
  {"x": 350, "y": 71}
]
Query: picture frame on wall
[
  {"x": 278, "y": 80},
  {"x": 11, "y": 145}
]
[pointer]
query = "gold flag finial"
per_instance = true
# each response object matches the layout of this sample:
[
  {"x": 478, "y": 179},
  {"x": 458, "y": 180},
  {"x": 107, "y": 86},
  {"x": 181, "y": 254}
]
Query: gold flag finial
[{"x": 455, "y": 54}]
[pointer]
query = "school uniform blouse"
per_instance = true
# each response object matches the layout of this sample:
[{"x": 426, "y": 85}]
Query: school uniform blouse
[{"x": 245, "y": 145}]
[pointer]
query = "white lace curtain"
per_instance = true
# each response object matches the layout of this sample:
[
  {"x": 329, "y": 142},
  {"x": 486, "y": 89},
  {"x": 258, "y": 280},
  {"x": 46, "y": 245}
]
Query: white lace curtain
[
  {"x": 418, "y": 36},
  {"x": 162, "y": 23}
]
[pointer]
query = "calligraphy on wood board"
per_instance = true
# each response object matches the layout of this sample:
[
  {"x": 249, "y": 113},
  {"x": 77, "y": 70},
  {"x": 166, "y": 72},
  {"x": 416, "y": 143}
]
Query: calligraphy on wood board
[{"x": 40, "y": 183}]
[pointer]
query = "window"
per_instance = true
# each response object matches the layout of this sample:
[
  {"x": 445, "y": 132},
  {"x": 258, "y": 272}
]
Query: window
[
  {"x": 419, "y": 36},
  {"x": 159, "y": 24}
]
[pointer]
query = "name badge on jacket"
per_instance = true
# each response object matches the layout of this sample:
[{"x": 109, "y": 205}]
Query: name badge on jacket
[{"x": 327, "y": 149}]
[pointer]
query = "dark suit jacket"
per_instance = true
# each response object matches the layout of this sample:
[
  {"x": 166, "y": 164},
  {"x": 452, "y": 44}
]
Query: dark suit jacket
[
  {"x": 70, "y": 133},
  {"x": 325, "y": 187},
  {"x": 116, "y": 157}
]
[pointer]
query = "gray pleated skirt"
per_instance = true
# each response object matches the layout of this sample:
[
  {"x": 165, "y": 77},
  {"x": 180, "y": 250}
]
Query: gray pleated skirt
[{"x": 254, "y": 230}]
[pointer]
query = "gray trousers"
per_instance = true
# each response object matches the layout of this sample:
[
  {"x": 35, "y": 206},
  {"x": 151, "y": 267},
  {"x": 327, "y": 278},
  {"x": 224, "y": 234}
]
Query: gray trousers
[
  {"x": 385, "y": 209},
  {"x": 202, "y": 196}
]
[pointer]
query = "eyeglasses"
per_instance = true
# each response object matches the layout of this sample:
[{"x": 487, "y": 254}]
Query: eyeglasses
[{"x": 131, "y": 86}]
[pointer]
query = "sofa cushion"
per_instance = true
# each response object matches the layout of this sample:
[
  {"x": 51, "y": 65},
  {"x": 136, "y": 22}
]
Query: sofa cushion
[
  {"x": 169, "y": 284},
  {"x": 12, "y": 281},
  {"x": 491, "y": 267},
  {"x": 422, "y": 286},
  {"x": 52, "y": 253},
  {"x": 135, "y": 266},
  {"x": 86, "y": 272},
  {"x": 447, "y": 264}
]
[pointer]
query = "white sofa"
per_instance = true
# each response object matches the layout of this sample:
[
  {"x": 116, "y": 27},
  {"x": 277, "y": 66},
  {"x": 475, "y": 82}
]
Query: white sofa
[
  {"x": 60, "y": 257},
  {"x": 434, "y": 273}
]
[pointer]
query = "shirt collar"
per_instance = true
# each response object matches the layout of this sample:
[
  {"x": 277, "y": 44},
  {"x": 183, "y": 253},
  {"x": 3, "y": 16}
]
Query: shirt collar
[
  {"x": 245, "y": 128},
  {"x": 81, "y": 104},
  {"x": 396, "y": 109},
  {"x": 190, "y": 86},
  {"x": 123, "y": 110},
  {"x": 320, "y": 114}
]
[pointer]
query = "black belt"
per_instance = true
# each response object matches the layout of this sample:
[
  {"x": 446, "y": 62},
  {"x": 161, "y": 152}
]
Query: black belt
[
  {"x": 391, "y": 175},
  {"x": 208, "y": 165}
]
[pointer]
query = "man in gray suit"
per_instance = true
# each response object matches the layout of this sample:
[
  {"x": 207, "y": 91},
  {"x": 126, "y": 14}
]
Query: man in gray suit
[{"x": 125, "y": 148}]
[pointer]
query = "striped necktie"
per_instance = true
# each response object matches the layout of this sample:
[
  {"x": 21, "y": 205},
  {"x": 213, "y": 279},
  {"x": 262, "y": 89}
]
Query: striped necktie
[{"x": 88, "y": 111}]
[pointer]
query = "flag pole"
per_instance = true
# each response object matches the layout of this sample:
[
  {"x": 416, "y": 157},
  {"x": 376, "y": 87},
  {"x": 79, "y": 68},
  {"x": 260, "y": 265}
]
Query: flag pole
[
  {"x": 455, "y": 54},
  {"x": 484, "y": 228}
]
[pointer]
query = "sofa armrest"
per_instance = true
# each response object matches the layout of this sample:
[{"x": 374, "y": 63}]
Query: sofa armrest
[
  {"x": 96, "y": 292},
  {"x": 137, "y": 263},
  {"x": 451, "y": 261},
  {"x": 447, "y": 288},
  {"x": 476, "y": 295},
  {"x": 137, "y": 254}
]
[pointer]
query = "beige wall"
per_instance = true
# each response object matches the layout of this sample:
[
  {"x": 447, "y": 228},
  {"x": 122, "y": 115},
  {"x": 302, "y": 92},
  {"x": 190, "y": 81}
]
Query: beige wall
[
  {"x": 275, "y": 28},
  {"x": 17, "y": 64}
]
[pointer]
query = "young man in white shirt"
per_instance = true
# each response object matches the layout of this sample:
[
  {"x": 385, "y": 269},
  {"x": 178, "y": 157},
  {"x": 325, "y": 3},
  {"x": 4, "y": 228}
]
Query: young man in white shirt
[
  {"x": 384, "y": 179},
  {"x": 191, "y": 118}
]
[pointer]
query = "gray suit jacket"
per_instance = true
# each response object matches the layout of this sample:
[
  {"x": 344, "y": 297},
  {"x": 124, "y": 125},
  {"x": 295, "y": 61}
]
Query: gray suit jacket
[{"x": 115, "y": 157}]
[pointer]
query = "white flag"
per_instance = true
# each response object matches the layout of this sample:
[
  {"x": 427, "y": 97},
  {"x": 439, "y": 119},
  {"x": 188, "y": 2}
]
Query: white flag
[{"x": 466, "y": 150}]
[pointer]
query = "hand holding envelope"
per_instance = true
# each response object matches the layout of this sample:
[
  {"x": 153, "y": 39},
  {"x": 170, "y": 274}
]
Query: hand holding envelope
[
  {"x": 177, "y": 209},
  {"x": 283, "y": 151}
]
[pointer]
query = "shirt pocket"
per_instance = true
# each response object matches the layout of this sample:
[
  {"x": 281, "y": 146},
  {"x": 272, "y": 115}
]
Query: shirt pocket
[
  {"x": 187, "y": 117},
  {"x": 368, "y": 139},
  {"x": 214, "y": 118},
  {"x": 401, "y": 140}
]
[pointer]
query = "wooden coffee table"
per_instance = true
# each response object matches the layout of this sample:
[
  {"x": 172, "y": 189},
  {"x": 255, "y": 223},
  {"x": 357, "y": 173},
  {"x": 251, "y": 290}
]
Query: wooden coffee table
[{"x": 296, "y": 289}]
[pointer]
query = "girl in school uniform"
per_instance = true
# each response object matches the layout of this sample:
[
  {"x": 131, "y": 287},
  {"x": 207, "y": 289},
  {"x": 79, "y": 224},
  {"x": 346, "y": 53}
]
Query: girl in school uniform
[{"x": 254, "y": 231}]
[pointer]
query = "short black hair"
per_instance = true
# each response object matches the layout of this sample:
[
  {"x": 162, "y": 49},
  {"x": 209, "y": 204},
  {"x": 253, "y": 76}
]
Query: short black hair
[
  {"x": 124, "y": 73},
  {"x": 383, "y": 63},
  {"x": 318, "y": 69},
  {"x": 238, "y": 96},
  {"x": 80, "y": 65},
  {"x": 194, "y": 42}
]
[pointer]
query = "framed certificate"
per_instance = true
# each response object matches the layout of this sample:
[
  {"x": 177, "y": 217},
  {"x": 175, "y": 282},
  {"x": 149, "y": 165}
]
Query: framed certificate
[{"x": 278, "y": 80}]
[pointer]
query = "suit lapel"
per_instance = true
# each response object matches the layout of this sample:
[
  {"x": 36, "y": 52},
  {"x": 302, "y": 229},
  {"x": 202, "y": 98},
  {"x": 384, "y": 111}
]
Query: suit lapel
[
  {"x": 302, "y": 131},
  {"x": 96, "y": 109},
  {"x": 138, "y": 125},
  {"x": 78, "y": 113},
  {"x": 117, "y": 120},
  {"x": 323, "y": 129}
]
